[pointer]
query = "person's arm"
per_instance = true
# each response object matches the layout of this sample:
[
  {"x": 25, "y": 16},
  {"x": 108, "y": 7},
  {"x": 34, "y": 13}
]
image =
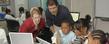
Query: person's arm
[
  {"x": 73, "y": 37},
  {"x": 24, "y": 27},
  {"x": 58, "y": 38},
  {"x": 54, "y": 38},
  {"x": 42, "y": 24},
  {"x": 48, "y": 19},
  {"x": 11, "y": 17},
  {"x": 23, "y": 17},
  {"x": 49, "y": 22},
  {"x": 52, "y": 29}
]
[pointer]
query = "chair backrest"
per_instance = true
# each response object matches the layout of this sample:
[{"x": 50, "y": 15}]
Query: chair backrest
[{"x": 12, "y": 25}]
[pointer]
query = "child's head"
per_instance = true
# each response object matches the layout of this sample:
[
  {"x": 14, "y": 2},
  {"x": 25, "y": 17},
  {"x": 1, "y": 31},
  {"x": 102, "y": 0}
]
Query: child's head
[
  {"x": 35, "y": 14},
  {"x": 21, "y": 9},
  {"x": 81, "y": 27},
  {"x": 27, "y": 14},
  {"x": 8, "y": 11},
  {"x": 97, "y": 37},
  {"x": 65, "y": 27}
]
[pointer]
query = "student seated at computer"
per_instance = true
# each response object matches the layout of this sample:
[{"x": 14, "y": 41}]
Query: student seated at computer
[
  {"x": 33, "y": 24},
  {"x": 65, "y": 35},
  {"x": 9, "y": 16},
  {"x": 81, "y": 29}
]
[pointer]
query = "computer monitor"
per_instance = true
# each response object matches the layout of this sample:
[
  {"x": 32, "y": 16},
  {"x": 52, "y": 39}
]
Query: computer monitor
[
  {"x": 75, "y": 16},
  {"x": 21, "y": 38}
]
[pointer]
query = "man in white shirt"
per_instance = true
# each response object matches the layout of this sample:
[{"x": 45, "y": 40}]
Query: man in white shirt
[{"x": 65, "y": 35}]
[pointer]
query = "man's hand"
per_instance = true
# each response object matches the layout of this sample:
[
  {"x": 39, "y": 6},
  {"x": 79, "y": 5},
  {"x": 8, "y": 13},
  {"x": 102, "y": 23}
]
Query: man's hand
[{"x": 52, "y": 28}]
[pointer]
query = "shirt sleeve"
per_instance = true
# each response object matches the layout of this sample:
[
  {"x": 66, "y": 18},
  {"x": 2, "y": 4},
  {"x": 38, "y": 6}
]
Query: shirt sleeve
[
  {"x": 10, "y": 17},
  {"x": 42, "y": 24},
  {"x": 23, "y": 16},
  {"x": 24, "y": 27},
  {"x": 73, "y": 37},
  {"x": 54, "y": 38},
  {"x": 48, "y": 19}
]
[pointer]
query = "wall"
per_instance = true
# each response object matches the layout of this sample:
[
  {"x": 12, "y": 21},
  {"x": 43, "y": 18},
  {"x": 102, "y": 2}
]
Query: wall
[
  {"x": 20, "y": 3},
  {"x": 15, "y": 4},
  {"x": 82, "y": 6},
  {"x": 103, "y": 25},
  {"x": 102, "y": 8},
  {"x": 34, "y": 3}
]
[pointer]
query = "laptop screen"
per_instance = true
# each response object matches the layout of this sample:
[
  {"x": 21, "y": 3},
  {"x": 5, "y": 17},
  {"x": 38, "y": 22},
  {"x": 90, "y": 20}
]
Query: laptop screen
[{"x": 21, "y": 38}]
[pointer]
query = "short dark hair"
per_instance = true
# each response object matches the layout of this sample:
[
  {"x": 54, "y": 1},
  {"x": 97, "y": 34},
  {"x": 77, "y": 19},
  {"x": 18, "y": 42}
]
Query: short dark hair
[
  {"x": 7, "y": 11},
  {"x": 21, "y": 9},
  {"x": 66, "y": 21},
  {"x": 81, "y": 23},
  {"x": 88, "y": 18},
  {"x": 41, "y": 10},
  {"x": 52, "y": 2},
  {"x": 28, "y": 14}
]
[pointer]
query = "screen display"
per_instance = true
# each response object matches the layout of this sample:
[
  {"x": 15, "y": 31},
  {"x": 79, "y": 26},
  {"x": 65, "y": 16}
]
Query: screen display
[{"x": 75, "y": 16}]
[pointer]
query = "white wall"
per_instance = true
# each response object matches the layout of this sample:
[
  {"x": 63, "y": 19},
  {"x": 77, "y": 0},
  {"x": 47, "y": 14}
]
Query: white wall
[
  {"x": 34, "y": 3},
  {"x": 15, "y": 4},
  {"x": 102, "y": 8},
  {"x": 20, "y": 3},
  {"x": 82, "y": 6}
]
